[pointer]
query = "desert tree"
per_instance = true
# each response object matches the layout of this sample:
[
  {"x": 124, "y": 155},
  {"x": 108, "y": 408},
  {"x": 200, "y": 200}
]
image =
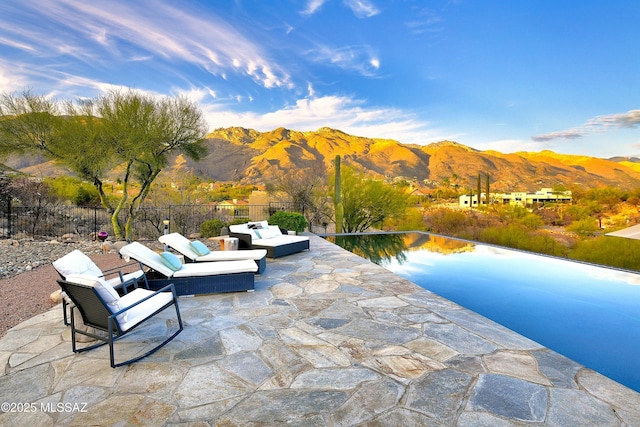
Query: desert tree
[
  {"x": 306, "y": 189},
  {"x": 367, "y": 202},
  {"x": 145, "y": 131},
  {"x": 91, "y": 137}
]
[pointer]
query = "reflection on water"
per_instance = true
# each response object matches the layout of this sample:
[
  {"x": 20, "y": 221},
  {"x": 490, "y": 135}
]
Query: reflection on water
[
  {"x": 384, "y": 248},
  {"x": 589, "y": 313},
  {"x": 378, "y": 248}
]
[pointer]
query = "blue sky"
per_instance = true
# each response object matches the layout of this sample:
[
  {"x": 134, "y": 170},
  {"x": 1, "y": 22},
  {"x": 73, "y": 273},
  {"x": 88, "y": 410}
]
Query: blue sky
[{"x": 508, "y": 75}]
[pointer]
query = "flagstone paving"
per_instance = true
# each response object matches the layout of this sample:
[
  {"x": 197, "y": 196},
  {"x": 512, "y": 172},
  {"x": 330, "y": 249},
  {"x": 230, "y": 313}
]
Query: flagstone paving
[{"x": 326, "y": 339}]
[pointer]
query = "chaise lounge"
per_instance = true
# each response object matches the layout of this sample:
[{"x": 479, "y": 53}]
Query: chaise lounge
[
  {"x": 196, "y": 251},
  {"x": 261, "y": 235},
  {"x": 192, "y": 278}
]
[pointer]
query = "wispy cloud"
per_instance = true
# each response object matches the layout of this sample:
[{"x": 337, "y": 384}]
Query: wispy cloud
[
  {"x": 358, "y": 59},
  {"x": 362, "y": 8},
  {"x": 597, "y": 124},
  {"x": 312, "y": 7},
  {"x": 347, "y": 114},
  {"x": 131, "y": 30}
]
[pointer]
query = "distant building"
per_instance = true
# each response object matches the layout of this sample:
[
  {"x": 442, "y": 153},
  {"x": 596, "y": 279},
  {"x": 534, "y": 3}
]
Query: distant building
[
  {"x": 234, "y": 208},
  {"x": 545, "y": 195}
]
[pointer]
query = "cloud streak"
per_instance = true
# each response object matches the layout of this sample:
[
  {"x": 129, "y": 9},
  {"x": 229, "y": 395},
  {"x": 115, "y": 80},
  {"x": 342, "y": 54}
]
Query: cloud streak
[
  {"x": 132, "y": 30},
  {"x": 598, "y": 124}
]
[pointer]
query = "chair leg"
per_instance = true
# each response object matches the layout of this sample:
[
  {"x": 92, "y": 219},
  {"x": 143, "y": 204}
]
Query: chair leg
[
  {"x": 65, "y": 319},
  {"x": 113, "y": 338},
  {"x": 74, "y": 332}
]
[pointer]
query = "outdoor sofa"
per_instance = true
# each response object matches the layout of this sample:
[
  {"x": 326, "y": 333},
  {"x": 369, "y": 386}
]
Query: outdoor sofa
[
  {"x": 261, "y": 235},
  {"x": 192, "y": 278},
  {"x": 196, "y": 251}
]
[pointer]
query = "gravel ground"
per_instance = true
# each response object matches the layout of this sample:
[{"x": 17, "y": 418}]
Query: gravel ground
[{"x": 27, "y": 278}]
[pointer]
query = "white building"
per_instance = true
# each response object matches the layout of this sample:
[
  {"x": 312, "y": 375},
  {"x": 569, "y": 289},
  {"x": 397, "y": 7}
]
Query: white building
[{"x": 545, "y": 195}]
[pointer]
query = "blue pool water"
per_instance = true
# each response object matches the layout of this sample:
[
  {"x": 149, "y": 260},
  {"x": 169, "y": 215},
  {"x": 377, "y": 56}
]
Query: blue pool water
[{"x": 588, "y": 313}]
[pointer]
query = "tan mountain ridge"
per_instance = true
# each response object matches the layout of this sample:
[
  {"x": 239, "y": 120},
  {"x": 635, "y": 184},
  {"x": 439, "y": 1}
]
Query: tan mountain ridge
[{"x": 244, "y": 155}]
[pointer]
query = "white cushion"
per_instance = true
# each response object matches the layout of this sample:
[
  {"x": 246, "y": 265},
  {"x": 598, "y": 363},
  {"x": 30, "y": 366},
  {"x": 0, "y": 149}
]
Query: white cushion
[
  {"x": 145, "y": 256},
  {"x": 179, "y": 243},
  {"x": 280, "y": 240},
  {"x": 106, "y": 291},
  {"x": 239, "y": 228},
  {"x": 254, "y": 254},
  {"x": 151, "y": 259},
  {"x": 270, "y": 232},
  {"x": 200, "y": 269},
  {"x": 76, "y": 262},
  {"x": 140, "y": 312}
]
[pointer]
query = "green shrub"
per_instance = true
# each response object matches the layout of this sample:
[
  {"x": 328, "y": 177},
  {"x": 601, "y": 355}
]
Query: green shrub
[
  {"x": 211, "y": 227},
  {"x": 613, "y": 251},
  {"x": 238, "y": 221},
  {"x": 518, "y": 237},
  {"x": 289, "y": 221}
]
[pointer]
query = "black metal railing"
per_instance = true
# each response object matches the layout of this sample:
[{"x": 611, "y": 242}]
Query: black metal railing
[{"x": 66, "y": 222}]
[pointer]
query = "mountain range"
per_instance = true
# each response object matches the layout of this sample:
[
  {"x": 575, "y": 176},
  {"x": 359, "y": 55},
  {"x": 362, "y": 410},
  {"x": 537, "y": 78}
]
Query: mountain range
[{"x": 244, "y": 155}]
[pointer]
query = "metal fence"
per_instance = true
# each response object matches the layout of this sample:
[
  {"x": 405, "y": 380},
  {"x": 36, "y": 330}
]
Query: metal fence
[{"x": 62, "y": 222}]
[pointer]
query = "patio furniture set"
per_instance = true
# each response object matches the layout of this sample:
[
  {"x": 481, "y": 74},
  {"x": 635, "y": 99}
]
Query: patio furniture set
[{"x": 160, "y": 279}]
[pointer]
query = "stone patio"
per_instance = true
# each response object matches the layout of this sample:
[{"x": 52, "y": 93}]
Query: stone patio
[{"x": 326, "y": 339}]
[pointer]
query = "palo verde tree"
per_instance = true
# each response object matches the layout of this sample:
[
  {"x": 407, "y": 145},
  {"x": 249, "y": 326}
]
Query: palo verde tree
[
  {"x": 144, "y": 131},
  {"x": 367, "y": 202},
  {"x": 92, "y": 137}
]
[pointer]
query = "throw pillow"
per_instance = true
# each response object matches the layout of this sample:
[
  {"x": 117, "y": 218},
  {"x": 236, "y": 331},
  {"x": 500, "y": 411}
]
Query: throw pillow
[
  {"x": 171, "y": 261},
  {"x": 199, "y": 247}
]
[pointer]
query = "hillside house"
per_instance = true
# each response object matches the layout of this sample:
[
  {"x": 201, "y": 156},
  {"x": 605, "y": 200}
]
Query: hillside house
[{"x": 545, "y": 195}]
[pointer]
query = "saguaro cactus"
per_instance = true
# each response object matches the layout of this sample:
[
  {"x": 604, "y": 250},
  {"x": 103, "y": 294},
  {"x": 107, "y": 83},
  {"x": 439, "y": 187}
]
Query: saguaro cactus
[{"x": 337, "y": 197}]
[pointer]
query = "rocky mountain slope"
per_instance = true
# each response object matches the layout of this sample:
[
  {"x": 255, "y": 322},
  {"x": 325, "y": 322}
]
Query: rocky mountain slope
[
  {"x": 248, "y": 156},
  {"x": 238, "y": 154}
]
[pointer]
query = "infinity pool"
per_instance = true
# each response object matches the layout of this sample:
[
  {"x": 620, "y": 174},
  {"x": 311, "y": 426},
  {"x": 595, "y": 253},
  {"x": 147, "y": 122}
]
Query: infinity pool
[{"x": 588, "y": 313}]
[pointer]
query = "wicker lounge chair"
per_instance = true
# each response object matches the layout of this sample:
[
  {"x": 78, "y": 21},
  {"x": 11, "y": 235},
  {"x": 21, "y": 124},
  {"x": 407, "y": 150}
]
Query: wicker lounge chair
[
  {"x": 192, "y": 278},
  {"x": 76, "y": 262},
  {"x": 261, "y": 235},
  {"x": 187, "y": 248},
  {"x": 102, "y": 308}
]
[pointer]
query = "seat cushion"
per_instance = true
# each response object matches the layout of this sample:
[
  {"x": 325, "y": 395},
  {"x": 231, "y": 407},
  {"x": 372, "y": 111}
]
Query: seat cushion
[
  {"x": 140, "y": 312},
  {"x": 201, "y": 269}
]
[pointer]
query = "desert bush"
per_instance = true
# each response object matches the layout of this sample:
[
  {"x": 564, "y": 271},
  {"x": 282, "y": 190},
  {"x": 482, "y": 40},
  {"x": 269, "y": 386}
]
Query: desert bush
[
  {"x": 613, "y": 251},
  {"x": 211, "y": 227},
  {"x": 289, "y": 221},
  {"x": 518, "y": 237}
]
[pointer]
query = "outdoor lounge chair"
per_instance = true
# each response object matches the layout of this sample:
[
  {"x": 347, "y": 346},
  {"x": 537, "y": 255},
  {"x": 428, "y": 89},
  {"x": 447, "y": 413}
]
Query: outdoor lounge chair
[
  {"x": 187, "y": 248},
  {"x": 261, "y": 235},
  {"x": 76, "y": 262},
  {"x": 192, "y": 278},
  {"x": 102, "y": 308}
]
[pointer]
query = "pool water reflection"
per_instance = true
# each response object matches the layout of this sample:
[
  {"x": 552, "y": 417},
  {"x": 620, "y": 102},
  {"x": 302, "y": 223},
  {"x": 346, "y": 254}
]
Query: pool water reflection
[{"x": 590, "y": 314}]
